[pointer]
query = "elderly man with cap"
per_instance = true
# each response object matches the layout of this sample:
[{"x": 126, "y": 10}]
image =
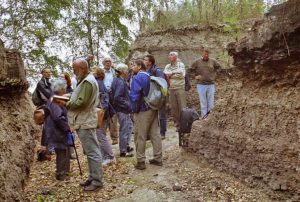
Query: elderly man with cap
[
  {"x": 110, "y": 74},
  {"x": 121, "y": 102},
  {"x": 83, "y": 118},
  {"x": 176, "y": 73}
]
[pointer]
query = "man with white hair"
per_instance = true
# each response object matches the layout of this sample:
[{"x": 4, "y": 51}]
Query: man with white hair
[
  {"x": 110, "y": 74},
  {"x": 83, "y": 118},
  {"x": 177, "y": 97}
]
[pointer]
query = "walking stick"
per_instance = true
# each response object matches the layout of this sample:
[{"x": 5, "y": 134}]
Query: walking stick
[{"x": 76, "y": 155}]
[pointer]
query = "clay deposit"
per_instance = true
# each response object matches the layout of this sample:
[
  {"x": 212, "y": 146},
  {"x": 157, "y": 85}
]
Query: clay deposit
[{"x": 17, "y": 130}]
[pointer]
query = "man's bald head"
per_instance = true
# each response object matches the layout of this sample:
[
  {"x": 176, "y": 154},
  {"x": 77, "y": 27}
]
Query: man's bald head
[
  {"x": 80, "y": 67},
  {"x": 82, "y": 63}
]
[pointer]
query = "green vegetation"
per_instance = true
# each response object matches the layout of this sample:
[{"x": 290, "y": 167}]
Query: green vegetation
[
  {"x": 195, "y": 12},
  {"x": 52, "y": 33}
]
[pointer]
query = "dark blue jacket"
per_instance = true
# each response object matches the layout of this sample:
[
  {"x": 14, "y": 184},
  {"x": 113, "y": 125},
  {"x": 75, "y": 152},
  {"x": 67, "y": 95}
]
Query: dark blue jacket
[
  {"x": 44, "y": 87},
  {"x": 56, "y": 126},
  {"x": 156, "y": 71},
  {"x": 104, "y": 95},
  {"x": 140, "y": 86},
  {"x": 120, "y": 96}
]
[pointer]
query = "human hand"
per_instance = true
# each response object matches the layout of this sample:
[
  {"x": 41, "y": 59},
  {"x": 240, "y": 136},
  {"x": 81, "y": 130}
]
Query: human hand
[
  {"x": 61, "y": 103},
  {"x": 72, "y": 129},
  {"x": 199, "y": 77}
]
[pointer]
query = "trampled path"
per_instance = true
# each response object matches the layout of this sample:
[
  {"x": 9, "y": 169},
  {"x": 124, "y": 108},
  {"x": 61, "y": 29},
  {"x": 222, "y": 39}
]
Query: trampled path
[{"x": 183, "y": 177}]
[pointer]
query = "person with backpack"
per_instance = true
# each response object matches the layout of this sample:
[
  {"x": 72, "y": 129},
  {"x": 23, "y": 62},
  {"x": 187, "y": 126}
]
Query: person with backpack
[
  {"x": 205, "y": 70},
  {"x": 121, "y": 103},
  {"x": 177, "y": 96},
  {"x": 145, "y": 118},
  {"x": 153, "y": 70},
  {"x": 57, "y": 128},
  {"x": 106, "y": 149},
  {"x": 110, "y": 74}
]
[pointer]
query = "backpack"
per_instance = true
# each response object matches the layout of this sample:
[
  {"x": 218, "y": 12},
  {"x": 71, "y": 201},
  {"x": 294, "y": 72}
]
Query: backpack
[
  {"x": 187, "y": 117},
  {"x": 36, "y": 98},
  {"x": 187, "y": 84},
  {"x": 40, "y": 114},
  {"x": 167, "y": 78},
  {"x": 158, "y": 92}
]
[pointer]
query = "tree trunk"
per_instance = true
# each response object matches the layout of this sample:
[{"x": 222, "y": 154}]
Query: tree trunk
[
  {"x": 199, "y": 6},
  {"x": 241, "y": 9},
  {"x": 89, "y": 28}
]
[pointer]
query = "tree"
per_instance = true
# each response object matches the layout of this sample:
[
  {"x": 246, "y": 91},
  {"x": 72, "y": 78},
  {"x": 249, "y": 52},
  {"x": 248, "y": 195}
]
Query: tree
[
  {"x": 28, "y": 25},
  {"x": 92, "y": 26}
]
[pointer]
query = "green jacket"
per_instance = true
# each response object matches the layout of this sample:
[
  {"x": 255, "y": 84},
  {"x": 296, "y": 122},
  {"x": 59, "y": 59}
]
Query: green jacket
[{"x": 82, "y": 112}]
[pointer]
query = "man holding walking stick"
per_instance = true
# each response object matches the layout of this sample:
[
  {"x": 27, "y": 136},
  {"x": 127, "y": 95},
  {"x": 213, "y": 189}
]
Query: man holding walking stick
[{"x": 83, "y": 118}]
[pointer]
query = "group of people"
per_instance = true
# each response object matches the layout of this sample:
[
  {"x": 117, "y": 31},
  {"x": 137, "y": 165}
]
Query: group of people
[{"x": 120, "y": 91}]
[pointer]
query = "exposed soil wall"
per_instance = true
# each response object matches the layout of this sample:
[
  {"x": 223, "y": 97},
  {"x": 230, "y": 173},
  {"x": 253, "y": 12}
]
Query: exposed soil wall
[
  {"x": 254, "y": 131},
  {"x": 17, "y": 130},
  {"x": 188, "y": 42}
]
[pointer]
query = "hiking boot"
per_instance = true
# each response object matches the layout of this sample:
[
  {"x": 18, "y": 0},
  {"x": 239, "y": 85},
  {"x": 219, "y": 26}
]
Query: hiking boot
[
  {"x": 106, "y": 162},
  {"x": 114, "y": 142},
  {"x": 155, "y": 162},
  {"x": 129, "y": 149},
  {"x": 140, "y": 166},
  {"x": 61, "y": 177},
  {"x": 85, "y": 183},
  {"x": 126, "y": 155},
  {"x": 92, "y": 187},
  {"x": 163, "y": 136}
]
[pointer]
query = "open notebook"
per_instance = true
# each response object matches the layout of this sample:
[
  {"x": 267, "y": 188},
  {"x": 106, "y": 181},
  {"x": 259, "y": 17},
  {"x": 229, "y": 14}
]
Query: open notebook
[{"x": 61, "y": 97}]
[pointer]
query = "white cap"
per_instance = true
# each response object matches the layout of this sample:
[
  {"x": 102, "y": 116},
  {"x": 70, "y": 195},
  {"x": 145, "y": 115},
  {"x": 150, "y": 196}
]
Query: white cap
[{"x": 121, "y": 67}]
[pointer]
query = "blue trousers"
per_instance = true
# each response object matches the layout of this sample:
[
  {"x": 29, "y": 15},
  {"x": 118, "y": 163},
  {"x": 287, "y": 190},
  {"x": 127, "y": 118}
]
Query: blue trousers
[
  {"x": 105, "y": 146},
  {"x": 206, "y": 97},
  {"x": 124, "y": 131}
]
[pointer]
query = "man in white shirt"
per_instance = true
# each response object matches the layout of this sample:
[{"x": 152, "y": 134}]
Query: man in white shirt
[
  {"x": 176, "y": 73},
  {"x": 109, "y": 77}
]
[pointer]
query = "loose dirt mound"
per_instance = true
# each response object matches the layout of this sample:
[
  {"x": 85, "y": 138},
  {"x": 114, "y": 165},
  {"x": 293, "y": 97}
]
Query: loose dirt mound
[{"x": 17, "y": 131}]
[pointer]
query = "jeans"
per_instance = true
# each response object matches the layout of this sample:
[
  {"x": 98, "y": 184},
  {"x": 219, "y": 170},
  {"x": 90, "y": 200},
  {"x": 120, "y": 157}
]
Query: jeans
[
  {"x": 206, "y": 96},
  {"x": 163, "y": 120},
  {"x": 91, "y": 149},
  {"x": 105, "y": 146},
  {"x": 124, "y": 131}
]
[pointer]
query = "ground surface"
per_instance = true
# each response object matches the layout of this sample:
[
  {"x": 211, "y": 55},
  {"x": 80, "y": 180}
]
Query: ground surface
[{"x": 194, "y": 179}]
